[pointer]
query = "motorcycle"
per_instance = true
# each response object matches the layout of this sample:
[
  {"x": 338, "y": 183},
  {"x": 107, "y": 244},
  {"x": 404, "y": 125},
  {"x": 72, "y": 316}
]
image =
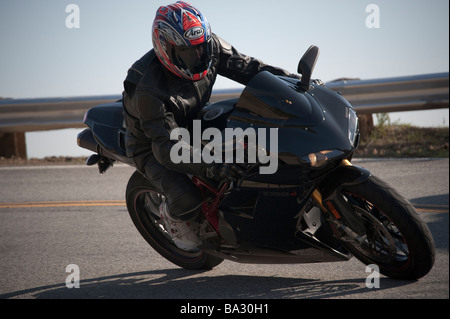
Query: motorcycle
[{"x": 317, "y": 206}]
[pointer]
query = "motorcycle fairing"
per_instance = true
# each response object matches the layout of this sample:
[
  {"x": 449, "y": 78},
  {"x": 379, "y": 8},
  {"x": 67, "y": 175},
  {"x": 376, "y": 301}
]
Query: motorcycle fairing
[
  {"x": 253, "y": 215},
  {"x": 266, "y": 216},
  {"x": 106, "y": 121},
  {"x": 273, "y": 101}
]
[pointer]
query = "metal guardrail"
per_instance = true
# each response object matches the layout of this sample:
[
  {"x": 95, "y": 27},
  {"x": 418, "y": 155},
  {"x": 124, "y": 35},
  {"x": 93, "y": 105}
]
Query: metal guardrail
[
  {"x": 408, "y": 93},
  {"x": 27, "y": 115},
  {"x": 422, "y": 92}
]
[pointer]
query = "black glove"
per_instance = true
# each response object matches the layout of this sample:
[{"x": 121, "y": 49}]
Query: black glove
[{"x": 227, "y": 172}]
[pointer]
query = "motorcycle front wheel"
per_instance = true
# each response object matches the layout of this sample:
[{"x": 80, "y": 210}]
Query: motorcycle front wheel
[
  {"x": 143, "y": 202},
  {"x": 398, "y": 241}
]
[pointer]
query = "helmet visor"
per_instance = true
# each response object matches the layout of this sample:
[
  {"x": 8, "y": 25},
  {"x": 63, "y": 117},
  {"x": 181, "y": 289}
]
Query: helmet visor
[{"x": 192, "y": 59}]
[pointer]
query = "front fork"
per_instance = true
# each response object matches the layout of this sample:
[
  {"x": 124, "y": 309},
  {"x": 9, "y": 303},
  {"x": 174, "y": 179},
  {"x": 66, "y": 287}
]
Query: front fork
[{"x": 337, "y": 208}]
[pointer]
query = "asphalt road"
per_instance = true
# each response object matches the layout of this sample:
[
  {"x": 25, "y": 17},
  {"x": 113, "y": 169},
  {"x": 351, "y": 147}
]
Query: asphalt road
[{"x": 58, "y": 216}]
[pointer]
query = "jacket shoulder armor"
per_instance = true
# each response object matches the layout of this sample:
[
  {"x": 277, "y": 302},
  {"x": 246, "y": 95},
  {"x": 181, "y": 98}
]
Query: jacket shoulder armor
[
  {"x": 136, "y": 72},
  {"x": 225, "y": 46}
]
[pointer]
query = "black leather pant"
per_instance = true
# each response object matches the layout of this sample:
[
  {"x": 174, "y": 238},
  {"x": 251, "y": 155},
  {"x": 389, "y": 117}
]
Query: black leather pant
[{"x": 184, "y": 199}]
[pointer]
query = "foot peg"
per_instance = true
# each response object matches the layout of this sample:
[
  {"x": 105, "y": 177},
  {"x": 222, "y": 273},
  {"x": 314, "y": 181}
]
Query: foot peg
[{"x": 102, "y": 162}]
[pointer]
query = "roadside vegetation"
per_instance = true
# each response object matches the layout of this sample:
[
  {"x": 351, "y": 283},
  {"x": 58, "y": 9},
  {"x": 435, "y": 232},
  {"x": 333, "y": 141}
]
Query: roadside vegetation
[{"x": 393, "y": 140}]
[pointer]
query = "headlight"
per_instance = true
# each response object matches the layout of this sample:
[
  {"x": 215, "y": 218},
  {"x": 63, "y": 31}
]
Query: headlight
[{"x": 353, "y": 129}]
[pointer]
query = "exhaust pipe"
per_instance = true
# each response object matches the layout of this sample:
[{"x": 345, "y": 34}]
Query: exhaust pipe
[{"x": 85, "y": 139}]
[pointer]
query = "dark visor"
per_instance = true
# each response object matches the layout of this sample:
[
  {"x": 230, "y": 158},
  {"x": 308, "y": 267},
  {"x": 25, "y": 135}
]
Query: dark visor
[{"x": 195, "y": 59}]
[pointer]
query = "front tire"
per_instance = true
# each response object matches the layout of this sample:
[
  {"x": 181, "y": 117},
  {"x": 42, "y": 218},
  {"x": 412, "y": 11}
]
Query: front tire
[
  {"x": 398, "y": 240},
  {"x": 143, "y": 201}
]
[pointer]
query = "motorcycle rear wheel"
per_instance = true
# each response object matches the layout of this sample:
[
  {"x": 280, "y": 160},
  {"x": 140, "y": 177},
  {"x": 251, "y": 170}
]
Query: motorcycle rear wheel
[
  {"x": 398, "y": 240},
  {"x": 143, "y": 201}
]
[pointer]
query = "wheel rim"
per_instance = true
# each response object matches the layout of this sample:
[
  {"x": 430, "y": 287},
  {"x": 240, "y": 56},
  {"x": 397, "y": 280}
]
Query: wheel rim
[{"x": 384, "y": 243}]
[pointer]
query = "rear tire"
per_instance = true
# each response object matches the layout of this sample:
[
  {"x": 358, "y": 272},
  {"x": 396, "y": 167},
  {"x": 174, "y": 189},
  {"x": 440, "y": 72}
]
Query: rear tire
[
  {"x": 142, "y": 200},
  {"x": 398, "y": 240}
]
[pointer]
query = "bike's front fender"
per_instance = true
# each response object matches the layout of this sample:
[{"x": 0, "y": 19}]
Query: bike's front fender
[
  {"x": 345, "y": 174},
  {"x": 329, "y": 199}
]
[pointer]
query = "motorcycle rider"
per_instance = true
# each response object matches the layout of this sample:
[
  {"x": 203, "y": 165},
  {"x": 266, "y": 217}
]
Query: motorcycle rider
[{"x": 166, "y": 89}]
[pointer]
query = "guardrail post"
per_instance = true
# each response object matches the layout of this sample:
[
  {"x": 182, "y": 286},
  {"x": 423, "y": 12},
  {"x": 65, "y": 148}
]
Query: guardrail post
[
  {"x": 13, "y": 145},
  {"x": 365, "y": 126}
]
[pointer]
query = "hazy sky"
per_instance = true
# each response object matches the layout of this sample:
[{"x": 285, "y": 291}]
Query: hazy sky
[{"x": 42, "y": 57}]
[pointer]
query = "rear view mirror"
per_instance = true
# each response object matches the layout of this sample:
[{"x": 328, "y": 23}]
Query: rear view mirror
[{"x": 306, "y": 66}]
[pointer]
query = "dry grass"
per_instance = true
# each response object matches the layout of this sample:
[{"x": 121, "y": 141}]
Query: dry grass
[{"x": 400, "y": 141}]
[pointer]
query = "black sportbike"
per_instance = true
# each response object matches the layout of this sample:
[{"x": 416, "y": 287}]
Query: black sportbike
[{"x": 316, "y": 207}]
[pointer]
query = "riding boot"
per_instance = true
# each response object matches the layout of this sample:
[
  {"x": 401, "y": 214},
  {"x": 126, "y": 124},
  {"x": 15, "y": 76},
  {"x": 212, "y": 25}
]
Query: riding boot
[{"x": 182, "y": 232}]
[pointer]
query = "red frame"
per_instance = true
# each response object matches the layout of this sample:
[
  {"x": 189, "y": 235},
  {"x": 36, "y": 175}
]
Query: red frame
[{"x": 210, "y": 209}]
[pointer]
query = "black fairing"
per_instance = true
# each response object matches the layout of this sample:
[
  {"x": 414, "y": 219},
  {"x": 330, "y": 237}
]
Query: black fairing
[
  {"x": 106, "y": 121},
  {"x": 307, "y": 122}
]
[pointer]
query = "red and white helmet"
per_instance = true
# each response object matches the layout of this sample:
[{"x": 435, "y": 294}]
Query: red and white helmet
[{"x": 181, "y": 38}]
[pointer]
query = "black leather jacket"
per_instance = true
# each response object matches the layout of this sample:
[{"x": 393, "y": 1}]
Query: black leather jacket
[{"x": 157, "y": 101}]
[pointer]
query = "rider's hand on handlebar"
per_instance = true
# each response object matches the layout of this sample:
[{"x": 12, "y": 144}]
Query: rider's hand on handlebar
[{"x": 225, "y": 172}]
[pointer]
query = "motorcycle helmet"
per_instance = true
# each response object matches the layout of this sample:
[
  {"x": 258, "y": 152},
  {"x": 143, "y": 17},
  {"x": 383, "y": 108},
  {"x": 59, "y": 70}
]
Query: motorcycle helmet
[{"x": 181, "y": 38}]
